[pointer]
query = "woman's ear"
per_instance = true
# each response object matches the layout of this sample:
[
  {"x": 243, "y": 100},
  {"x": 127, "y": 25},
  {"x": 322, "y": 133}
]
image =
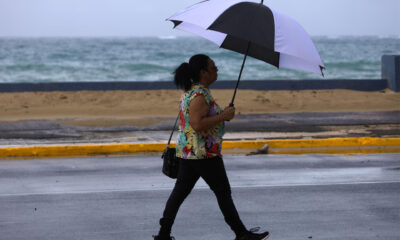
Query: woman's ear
[{"x": 202, "y": 72}]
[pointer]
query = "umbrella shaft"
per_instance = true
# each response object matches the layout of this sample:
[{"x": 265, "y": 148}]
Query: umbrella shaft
[{"x": 240, "y": 74}]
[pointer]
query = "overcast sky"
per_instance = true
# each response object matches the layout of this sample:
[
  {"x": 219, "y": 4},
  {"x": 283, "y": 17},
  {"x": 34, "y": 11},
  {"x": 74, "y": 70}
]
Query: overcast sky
[{"x": 147, "y": 17}]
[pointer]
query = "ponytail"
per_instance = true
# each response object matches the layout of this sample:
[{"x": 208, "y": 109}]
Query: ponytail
[
  {"x": 189, "y": 73},
  {"x": 183, "y": 75}
]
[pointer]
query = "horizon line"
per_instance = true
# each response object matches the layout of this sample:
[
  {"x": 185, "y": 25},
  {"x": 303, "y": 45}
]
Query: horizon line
[{"x": 183, "y": 36}]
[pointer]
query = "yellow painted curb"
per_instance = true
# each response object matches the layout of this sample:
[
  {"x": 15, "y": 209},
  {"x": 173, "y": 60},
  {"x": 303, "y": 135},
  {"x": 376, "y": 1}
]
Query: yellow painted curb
[
  {"x": 362, "y": 145},
  {"x": 81, "y": 150},
  {"x": 305, "y": 143},
  {"x": 289, "y": 146}
]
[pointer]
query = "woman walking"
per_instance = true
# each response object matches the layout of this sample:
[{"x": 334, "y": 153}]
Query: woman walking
[{"x": 201, "y": 128}]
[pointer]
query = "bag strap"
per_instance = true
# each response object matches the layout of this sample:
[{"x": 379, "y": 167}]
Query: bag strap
[{"x": 173, "y": 129}]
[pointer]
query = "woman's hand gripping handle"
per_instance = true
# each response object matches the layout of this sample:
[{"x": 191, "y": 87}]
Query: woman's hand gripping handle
[{"x": 228, "y": 113}]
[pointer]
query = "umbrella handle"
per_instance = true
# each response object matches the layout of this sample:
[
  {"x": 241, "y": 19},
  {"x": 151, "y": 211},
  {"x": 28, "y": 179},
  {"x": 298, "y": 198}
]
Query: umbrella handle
[{"x": 240, "y": 74}]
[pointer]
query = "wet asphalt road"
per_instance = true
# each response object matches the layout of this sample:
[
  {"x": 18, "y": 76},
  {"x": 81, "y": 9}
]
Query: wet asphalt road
[{"x": 294, "y": 197}]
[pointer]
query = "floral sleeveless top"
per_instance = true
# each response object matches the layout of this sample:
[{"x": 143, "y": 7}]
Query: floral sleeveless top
[{"x": 198, "y": 145}]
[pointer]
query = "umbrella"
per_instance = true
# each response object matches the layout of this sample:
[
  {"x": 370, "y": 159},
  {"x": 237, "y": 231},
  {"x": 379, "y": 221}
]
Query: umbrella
[{"x": 252, "y": 29}]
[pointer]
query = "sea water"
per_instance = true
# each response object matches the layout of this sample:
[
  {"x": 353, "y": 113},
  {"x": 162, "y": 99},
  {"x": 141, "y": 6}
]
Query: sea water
[{"x": 155, "y": 58}]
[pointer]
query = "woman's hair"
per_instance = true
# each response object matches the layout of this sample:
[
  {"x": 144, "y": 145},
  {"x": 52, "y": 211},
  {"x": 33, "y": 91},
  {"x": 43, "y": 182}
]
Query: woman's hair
[{"x": 189, "y": 73}]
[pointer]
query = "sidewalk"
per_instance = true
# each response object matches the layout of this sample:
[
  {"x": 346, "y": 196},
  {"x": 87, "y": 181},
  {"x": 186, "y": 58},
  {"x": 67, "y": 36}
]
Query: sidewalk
[{"x": 294, "y": 133}]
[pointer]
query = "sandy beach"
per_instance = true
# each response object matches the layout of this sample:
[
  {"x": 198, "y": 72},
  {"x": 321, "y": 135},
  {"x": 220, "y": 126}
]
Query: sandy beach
[{"x": 105, "y": 108}]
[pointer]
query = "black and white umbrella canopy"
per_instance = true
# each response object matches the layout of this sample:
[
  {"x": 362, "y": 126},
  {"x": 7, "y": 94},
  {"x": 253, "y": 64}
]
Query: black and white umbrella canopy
[{"x": 253, "y": 29}]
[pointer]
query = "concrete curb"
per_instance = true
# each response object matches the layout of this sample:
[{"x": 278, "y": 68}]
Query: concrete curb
[
  {"x": 280, "y": 84},
  {"x": 290, "y": 146}
]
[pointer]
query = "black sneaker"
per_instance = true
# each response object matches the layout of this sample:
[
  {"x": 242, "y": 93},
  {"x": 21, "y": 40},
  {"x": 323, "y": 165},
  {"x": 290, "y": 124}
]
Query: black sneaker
[
  {"x": 163, "y": 238},
  {"x": 252, "y": 235}
]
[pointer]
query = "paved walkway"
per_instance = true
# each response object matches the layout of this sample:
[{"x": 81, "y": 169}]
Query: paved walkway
[{"x": 243, "y": 127}]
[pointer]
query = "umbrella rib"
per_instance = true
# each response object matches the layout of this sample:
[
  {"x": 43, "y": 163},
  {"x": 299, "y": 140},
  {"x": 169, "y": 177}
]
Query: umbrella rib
[{"x": 240, "y": 74}]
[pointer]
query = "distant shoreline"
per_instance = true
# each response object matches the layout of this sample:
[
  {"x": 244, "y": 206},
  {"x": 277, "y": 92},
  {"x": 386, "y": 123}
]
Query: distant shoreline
[{"x": 169, "y": 37}]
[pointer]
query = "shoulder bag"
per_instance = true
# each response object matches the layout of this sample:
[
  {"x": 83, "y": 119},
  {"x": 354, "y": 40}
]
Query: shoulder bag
[{"x": 170, "y": 162}]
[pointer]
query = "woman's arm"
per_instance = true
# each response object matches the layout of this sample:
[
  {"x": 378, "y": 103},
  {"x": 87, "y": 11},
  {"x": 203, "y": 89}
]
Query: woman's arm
[{"x": 198, "y": 110}]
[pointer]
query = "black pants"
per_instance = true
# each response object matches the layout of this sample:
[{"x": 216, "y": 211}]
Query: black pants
[{"x": 213, "y": 172}]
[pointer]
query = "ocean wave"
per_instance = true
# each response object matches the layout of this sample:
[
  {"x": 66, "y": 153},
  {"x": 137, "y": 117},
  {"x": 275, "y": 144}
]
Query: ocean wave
[
  {"x": 153, "y": 59},
  {"x": 171, "y": 37},
  {"x": 144, "y": 67},
  {"x": 39, "y": 68}
]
